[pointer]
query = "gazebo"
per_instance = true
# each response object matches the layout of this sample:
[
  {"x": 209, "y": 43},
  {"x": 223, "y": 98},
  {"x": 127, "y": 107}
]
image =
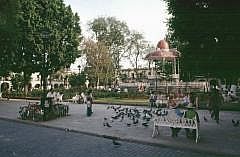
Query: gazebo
[{"x": 165, "y": 55}]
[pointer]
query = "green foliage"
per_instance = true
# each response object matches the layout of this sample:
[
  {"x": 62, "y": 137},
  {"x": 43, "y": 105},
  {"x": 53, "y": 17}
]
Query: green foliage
[
  {"x": 207, "y": 34},
  {"x": 105, "y": 94},
  {"x": 112, "y": 33},
  {"x": 50, "y": 36},
  {"x": 130, "y": 94},
  {"x": 17, "y": 82},
  {"x": 77, "y": 80},
  {"x": 165, "y": 68},
  {"x": 37, "y": 36},
  {"x": 100, "y": 66},
  {"x": 8, "y": 34},
  {"x": 35, "y": 93},
  {"x": 137, "y": 48}
]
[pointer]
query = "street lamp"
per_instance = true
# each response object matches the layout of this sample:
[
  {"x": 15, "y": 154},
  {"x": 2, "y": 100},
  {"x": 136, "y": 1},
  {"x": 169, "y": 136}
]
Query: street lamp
[
  {"x": 45, "y": 35},
  {"x": 79, "y": 68}
]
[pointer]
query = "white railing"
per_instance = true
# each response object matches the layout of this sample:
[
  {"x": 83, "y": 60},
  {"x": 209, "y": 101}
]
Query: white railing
[
  {"x": 135, "y": 84},
  {"x": 200, "y": 85}
]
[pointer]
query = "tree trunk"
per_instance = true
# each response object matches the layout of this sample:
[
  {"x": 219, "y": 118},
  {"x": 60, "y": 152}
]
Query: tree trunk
[{"x": 26, "y": 81}]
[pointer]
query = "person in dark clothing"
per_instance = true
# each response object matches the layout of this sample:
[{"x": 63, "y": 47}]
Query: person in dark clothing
[
  {"x": 190, "y": 114},
  {"x": 89, "y": 101},
  {"x": 215, "y": 101}
]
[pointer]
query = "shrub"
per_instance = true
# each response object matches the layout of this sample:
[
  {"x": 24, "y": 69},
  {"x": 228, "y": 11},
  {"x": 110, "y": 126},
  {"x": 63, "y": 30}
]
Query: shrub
[{"x": 130, "y": 94}]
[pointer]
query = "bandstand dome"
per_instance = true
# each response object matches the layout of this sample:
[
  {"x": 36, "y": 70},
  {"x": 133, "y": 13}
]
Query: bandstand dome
[
  {"x": 163, "y": 52},
  {"x": 163, "y": 44}
]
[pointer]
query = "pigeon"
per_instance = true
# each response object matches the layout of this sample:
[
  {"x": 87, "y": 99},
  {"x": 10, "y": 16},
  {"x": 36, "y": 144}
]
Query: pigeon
[
  {"x": 235, "y": 124},
  {"x": 135, "y": 121},
  {"x": 67, "y": 130},
  {"x": 205, "y": 119},
  {"x": 108, "y": 125},
  {"x": 115, "y": 117},
  {"x": 116, "y": 143},
  {"x": 104, "y": 121},
  {"x": 148, "y": 119},
  {"x": 122, "y": 117},
  {"x": 145, "y": 124}
]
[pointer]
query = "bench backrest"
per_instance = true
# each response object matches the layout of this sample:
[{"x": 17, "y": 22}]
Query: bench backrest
[{"x": 176, "y": 122}]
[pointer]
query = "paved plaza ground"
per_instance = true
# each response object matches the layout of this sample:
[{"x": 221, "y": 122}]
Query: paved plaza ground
[{"x": 221, "y": 138}]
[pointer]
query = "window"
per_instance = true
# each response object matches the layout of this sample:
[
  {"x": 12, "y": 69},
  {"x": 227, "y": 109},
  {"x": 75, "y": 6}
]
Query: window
[{"x": 133, "y": 75}]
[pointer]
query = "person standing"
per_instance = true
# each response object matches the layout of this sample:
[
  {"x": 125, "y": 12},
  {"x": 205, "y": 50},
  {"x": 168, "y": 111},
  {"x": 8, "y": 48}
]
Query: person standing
[
  {"x": 50, "y": 97},
  {"x": 215, "y": 101},
  {"x": 89, "y": 101},
  {"x": 152, "y": 100}
]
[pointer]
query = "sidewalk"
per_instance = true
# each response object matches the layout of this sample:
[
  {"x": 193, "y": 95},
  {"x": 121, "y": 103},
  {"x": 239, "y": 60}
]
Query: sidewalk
[{"x": 221, "y": 138}]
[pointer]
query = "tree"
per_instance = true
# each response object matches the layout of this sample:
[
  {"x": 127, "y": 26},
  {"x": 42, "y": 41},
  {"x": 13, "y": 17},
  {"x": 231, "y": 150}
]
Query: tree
[
  {"x": 8, "y": 34},
  {"x": 112, "y": 33},
  {"x": 77, "y": 80},
  {"x": 206, "y": 32},
  {"x": 136, "y": 49},
  {"x": 17, "y": 81},
  {"x": 99, "y": 62},
  {"x": 49, "y": 37}
]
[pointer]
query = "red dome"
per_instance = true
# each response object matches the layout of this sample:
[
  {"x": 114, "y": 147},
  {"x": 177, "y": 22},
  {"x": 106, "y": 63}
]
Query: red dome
[{"x": 162, "y": 44}]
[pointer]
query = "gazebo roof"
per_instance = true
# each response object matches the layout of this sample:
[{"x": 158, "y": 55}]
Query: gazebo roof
[
  {"x": 163, "y": 52},
  {"x": 159, "y": 54}
]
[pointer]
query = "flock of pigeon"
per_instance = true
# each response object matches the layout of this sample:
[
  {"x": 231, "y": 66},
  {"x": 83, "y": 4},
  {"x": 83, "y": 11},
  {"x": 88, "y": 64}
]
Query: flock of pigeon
[
  {"x": 132, "y": 116},
  {"x": 136, "y": 116}
]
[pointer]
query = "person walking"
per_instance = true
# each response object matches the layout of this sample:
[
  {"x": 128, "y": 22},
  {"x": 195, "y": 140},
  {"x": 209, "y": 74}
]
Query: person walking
[{"x": 215, "y": 101}]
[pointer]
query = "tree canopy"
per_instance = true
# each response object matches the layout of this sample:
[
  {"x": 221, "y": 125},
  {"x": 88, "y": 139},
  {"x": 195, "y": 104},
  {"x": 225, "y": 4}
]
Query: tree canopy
[
  {"x": 113, "y": 33},
  {"x": 48, "y": 33},
  {"x": 8, "y": 34},
  {"x": 207, "y": 34},
  {"x": 100, "y": 64}
]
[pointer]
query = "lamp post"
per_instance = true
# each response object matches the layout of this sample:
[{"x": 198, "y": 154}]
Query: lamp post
[
  {"x": 45, "y": 35},
  {"x": 156, "y": 72},
  {"x": 79, "y": 68}
]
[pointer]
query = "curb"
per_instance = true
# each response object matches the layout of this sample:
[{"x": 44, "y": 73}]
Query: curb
[{"x": 166, "y": 145}]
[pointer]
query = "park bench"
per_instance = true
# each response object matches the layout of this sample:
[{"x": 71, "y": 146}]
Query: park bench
[{"x": 172, "y": 120}]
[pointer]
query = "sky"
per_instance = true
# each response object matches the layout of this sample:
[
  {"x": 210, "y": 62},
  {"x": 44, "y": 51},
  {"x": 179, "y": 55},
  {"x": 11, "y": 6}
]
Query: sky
[{"x": 146, "y": 16}]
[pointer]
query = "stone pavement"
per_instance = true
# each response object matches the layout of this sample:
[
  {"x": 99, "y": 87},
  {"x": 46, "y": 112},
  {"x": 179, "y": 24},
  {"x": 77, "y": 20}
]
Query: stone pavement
[{"x": 215, "y": 138}]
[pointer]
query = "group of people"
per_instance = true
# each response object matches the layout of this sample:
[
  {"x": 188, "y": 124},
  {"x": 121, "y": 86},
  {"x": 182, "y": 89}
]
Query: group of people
[
  {"x": 177, "y": 99},
  {"x": 190, "y": 103},
  {"x": 53, "y": 97},
  {"x": 190, "y": 113}
]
